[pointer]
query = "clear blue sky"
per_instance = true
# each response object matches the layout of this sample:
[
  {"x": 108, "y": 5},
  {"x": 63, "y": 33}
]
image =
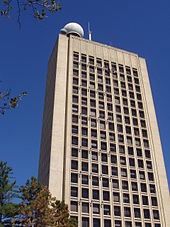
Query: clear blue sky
[{"x": 138, "y": 26}]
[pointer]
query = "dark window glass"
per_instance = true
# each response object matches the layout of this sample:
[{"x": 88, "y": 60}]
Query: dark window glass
[
  {"x": 95, "y": 181},
  {"x": 96, "y": 194},
  {"x": 85, "y": 222},
  {"x": 74, "y": 191},
  {"x": 85, "y": 193},
  {"x": 74, "y": 178},
  {"x": 106, "y": 196}
]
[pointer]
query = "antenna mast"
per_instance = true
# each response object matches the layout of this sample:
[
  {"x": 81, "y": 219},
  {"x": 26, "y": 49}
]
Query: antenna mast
[{"x": 89, "y": 31}]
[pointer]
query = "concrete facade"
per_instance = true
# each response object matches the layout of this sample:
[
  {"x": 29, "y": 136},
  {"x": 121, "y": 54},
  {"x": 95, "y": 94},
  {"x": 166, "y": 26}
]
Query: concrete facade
[{"x": 100, "y": 148}]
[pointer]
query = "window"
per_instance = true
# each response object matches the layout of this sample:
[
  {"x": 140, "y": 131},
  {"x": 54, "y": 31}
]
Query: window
[
  {"x": 85, "y": 207},
  {"x": 134, "y": 113},
  {"x": 125, "y": 185},
  {"x": 129, "y": 140},
  {"x": 102, "y": 135},
  {"x": 94, "y": 144},
  {"x": 130, "y": 151},
  {"x": 115, "y": 184},
  {"x": 85, "y": 222},
  {"x": 137, "y": 212},
  {"x": 104, "y": 157},
  {"x": 85, "y": 179},
  {"x": 113, "y": 159},
  {"x": 96, "y": 194},
  {"x": 75, "y": 65},
  {"x": 152, "y": 188},
  {"x": 111, "y": 126},
  {"x": 74, "y": 191},
  {"x": 94, "y": 156},
  {"x": 84, "y": 120},
  {"x": 93, "y": 112},
  {"x": 85, "y": 193},
  {"x": 140, "y": 163},
  {"x": 122, "y": 160},
  {"x": 137, "y": 142},
  {"x": 150, "y": 176},
  {"x": 127, "y": 212},
  {"x": 74, "y": 152},
  {"x": 74, "y": 140},
  {"x": 135, "y": 199},
  {"x": 84, "y": 154},
  {"x": 76, "y": 56},
  {"x": 107, "y": 223},
  {"x": 106, "y": 210},
  {"x": 133, "y": 174},
  {"x": 131, "y": 161},
  {"x": 120, "y": 138},
  {"x": 138, "y": 224},
  {"x": 118, "y": 223},
  {"x": 116, "y": 197},
  {"x": 75, "y": 90},
  {"x": 123, "y": 172},
  {"x": 139, "y": 152},
  {"x": 149, "y": 164},
  {"x": 84, "y": 131},
  {"x": 84, "y": 74},
  {"x": 75, "y": 99},
  {"x": 126, "y": 198},
  {"x": 145, "y": 200},
  {"x": 94, "y": 168},
  {"x": 112, "y": 147},
  {"x": 84, "y": 142},
  {"x": 117, "y": 211},
  {"x": 84, "y": 92},
  {"x": 96, "y": 222},
  {"x": 146, "y": 143},
  {"x": 93, "y": 123},
  {"x": 92, "y": 94},
  {"x": 74, "y": 178},
  {"x": 114, "y": 171},
  {"x": 103, "y": 145},
  {"x": 74, "y": 164},
  {"x": 95, "y": 181},
  {"x": 156, "y": 214},
  {"x": 143, "y": 187},
  {"x": 128, "y": 130},
  {"x": 104, "y": 169},
  {"x": 127, "y": 120},
  {"x": 102, "y": 125},
  {"x": 134, "y": 186},
  {"x": 120, "y": 128},
  {"x": 128, "y": 224},
  {"x": 96, "y": 208},
  {"x": 84, "y": 110},
  {"x": 147, "y": 154},
  {"x": 75, "y": 108},
  {"x": 106, "y": 196},
  {"x": 84, "y": 166},
  {"x": 146, "y": 213},
  {"x": 74, "y": 206},
  {"x": 154, "y": 201},
  {"x": 121, "y": 149},
  {"x": 105, "y": 182}
]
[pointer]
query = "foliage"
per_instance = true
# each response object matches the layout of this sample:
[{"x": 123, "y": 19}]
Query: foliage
[
  {"x": 8, "y": 102},
  {"x": 8, "y": 192},
  {"x": 39, "y": 8},
  {"x": 37, "y": 207}
]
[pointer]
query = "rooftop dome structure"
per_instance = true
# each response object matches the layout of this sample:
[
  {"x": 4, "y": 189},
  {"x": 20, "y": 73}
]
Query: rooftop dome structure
[{"x": 72, "y": 28}]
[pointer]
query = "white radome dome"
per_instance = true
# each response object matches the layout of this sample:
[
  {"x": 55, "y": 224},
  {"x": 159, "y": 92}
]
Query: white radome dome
[{"x": 73, "y": 28}]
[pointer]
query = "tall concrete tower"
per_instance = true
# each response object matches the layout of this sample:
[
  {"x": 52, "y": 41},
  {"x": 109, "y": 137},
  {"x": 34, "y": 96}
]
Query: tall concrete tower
[{"x": 100, "y": 148}]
